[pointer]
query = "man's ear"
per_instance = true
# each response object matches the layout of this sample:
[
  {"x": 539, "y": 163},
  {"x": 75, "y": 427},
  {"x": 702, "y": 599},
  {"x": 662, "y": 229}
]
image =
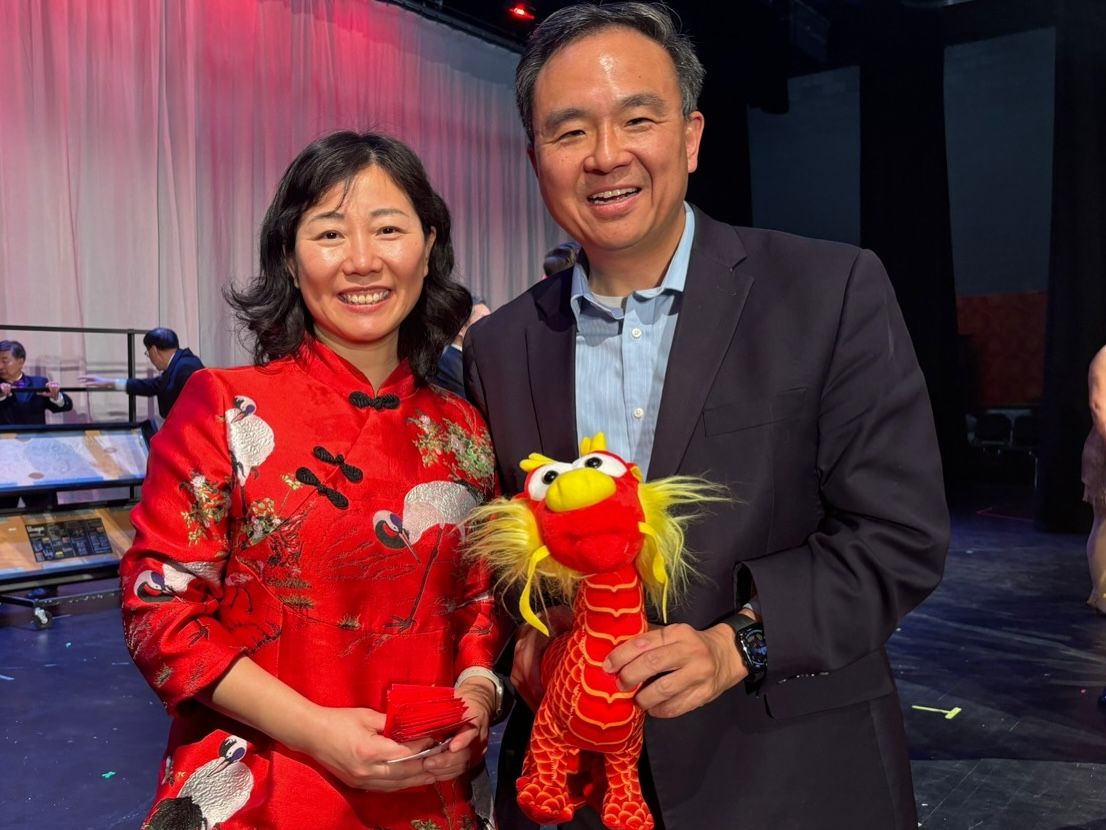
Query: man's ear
[{"x": 693, "y": 136}]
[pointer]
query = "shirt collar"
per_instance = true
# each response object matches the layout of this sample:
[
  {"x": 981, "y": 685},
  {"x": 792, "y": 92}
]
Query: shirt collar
[{"x": 674, "y": 278}]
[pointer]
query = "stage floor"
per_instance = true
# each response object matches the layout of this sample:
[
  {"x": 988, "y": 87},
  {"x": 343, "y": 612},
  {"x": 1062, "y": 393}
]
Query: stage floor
[{"x": 1006, "y": 639}]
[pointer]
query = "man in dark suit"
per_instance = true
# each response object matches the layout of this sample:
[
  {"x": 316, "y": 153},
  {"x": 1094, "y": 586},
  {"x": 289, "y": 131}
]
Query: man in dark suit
[
  {"x": 450, "y": 374},
  {"x": 175, "y": 364},
  {"x": 775, "y": 365},
  {"x": 24, "y": 401}
]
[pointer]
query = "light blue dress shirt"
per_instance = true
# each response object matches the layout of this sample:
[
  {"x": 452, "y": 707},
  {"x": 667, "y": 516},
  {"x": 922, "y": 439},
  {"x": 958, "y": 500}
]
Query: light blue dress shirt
[{"x": 622, "y": 356}]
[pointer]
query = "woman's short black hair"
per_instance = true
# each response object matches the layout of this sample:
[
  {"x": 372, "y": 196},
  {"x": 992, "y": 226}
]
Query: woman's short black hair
[{"x": 272, "y": 308}]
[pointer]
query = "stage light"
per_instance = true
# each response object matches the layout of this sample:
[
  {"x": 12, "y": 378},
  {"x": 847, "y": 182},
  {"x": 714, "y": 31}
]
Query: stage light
[{"x": 522, "y": 11}]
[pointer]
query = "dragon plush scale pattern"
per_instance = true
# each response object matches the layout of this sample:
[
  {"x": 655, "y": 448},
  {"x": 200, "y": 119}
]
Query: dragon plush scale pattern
[{"x": 592, "y": 533}]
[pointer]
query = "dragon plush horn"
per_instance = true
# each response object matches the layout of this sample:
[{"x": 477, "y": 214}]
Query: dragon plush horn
[
  {"x": 594, "y": 443},
  {"x": 533, "y": 461}
]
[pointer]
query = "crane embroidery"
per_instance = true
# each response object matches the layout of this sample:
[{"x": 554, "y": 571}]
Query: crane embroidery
[
  {"x": 432, "y": 504},
  {"x": 211, "y": 795},
  {"x": 249, "y": 438}
]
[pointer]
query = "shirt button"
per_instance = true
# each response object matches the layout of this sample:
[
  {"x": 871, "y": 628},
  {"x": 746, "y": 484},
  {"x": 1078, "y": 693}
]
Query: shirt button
[
  {"x": 635, "y": 333},
  {"x": 639, "y": 413}
]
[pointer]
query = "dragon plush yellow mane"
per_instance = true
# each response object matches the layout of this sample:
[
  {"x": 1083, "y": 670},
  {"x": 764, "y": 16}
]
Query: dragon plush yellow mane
[{"x": 505, "y": 533}]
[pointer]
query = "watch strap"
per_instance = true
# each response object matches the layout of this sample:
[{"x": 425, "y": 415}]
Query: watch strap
[{"x": 487, "y": 674}]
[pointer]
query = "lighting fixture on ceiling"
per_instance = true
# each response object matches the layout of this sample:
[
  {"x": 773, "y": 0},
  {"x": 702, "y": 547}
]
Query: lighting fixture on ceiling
[{"x": 522, "y": 11}]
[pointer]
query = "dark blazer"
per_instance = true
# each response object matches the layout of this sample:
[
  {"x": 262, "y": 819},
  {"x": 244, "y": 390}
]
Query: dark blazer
[
  {"x": 450, "y": 374},
  {"x": 168, "y": 385},
  {"x": 793, "y": 381},
  {"x": 25, "y": 408}
]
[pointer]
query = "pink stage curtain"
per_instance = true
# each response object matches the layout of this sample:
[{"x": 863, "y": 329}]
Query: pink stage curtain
[{"x": 140, "y": 142}]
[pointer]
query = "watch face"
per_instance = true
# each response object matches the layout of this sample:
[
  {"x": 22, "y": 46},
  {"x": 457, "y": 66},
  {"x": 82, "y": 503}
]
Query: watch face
[{"x": 756, "y": 647}]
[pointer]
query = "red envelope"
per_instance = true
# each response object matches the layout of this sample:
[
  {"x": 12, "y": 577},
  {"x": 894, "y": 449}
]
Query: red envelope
[{"x": 415, "y": 712}]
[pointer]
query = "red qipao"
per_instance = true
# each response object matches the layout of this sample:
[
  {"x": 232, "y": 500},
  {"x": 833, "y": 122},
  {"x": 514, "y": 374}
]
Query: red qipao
[{"x": 293, "y": 514}]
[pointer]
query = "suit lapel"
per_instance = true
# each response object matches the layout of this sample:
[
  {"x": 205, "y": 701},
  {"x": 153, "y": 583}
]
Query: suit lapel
[
  {"x": 713, "y": 298},
  {"x": 551, "y": 358}
]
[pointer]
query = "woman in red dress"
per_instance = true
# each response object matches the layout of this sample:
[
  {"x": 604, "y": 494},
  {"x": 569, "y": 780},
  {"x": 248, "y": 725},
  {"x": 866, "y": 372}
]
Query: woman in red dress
[{"x": 297, "y": 547}]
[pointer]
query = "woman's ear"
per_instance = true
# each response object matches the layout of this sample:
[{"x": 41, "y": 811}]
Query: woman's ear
[{"x": 431, "y": 237}]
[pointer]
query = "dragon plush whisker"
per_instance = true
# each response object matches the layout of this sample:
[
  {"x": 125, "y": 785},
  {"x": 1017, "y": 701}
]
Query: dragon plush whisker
[{"x": 593, "y": 533}]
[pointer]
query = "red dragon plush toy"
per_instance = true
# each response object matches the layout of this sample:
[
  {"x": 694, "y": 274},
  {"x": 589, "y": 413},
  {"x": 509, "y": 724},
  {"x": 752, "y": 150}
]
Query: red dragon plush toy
[{"x": 593, "y": 532}]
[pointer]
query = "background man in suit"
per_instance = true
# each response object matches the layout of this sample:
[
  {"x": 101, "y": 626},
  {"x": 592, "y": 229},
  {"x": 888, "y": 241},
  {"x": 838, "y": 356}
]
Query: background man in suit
[
  {"x": 559, "y": 258},
  {"x": 21, "y": 405},
  {"x": 450, "y": 368},
  {"x": 175, "y": 364},
  {"x": 776, "y": 365}
]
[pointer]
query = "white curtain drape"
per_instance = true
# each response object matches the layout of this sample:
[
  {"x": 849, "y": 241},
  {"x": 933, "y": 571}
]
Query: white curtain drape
[{"x": 141, "y": 140}]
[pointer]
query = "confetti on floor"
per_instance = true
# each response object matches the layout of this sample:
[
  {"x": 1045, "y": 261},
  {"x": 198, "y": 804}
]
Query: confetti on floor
[{"x": 948, "y": 713}]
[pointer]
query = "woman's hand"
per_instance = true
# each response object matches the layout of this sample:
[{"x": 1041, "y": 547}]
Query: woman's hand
[
  {"x": 348, "y": 743},
  {"x": 468, "y": 746}
]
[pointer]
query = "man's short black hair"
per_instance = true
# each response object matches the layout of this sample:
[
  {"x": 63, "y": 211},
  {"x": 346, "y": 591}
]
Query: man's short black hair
[
  {"x": 161, "y": 338},
  {"x": 15, "y": 347},
  {"x": 572, "y": 23}
]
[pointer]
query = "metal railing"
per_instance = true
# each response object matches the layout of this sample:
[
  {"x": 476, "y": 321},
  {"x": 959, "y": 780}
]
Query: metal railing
[{"x": 132, "y": 405}]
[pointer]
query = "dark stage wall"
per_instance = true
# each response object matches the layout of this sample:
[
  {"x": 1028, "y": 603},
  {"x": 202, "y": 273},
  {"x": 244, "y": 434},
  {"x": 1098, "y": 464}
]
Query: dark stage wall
[
  {"x": 1077, "y": 280},
  {"x": 1017, "y": 221},
  {"x": 998, "y": 128}
]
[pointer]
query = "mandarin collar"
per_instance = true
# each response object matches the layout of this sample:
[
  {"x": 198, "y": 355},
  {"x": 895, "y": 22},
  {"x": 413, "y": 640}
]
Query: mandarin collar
[{"x": 324, "y": 365}]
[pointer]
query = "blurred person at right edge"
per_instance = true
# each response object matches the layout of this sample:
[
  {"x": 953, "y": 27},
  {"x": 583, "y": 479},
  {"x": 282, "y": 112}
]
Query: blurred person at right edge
[
  {"x": 1094, "y": 480},
  {"x": 777, "y": 366}
]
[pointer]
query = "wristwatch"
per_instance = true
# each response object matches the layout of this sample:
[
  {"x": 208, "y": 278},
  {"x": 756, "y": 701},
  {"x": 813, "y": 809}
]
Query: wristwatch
[
  {"x": 751, "y": 645},
  {"x": 487, "y": 674}
]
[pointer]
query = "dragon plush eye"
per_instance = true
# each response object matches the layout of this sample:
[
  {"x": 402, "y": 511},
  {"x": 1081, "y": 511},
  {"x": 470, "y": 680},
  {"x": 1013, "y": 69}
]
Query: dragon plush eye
[
  {"x": 602, "y": 462},
  {"x": 542, "y": 478}
]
